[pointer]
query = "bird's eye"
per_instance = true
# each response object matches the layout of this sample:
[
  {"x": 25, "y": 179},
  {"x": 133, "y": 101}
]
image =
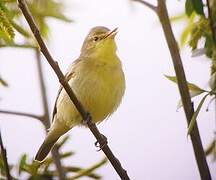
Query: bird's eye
[{"x": 96, "y": 38}]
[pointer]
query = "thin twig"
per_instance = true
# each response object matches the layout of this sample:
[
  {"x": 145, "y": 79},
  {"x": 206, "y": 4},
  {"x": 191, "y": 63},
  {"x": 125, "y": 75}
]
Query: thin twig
[
  {"x": 85, "y": 115},
  {"x": 211, "y": 22},
  {"x": 16, "y": 113},
  {"x": 42, "y": 89},
  {"x": 183, "y": 89},
  {"x": 4, "y": 157},
  {"x": 46, "y": 122},
  {"x": 58, "y": 164},
  {"x": 149, "y": 5}
]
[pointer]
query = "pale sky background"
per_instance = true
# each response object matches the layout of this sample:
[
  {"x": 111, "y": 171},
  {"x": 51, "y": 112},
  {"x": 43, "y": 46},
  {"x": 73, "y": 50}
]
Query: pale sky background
[{"x": 146, "y": 133}]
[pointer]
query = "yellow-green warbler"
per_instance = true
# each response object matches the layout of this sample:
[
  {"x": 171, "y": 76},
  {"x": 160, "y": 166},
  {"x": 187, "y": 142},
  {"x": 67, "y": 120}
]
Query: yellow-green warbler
[{"x": 98, "y": 81}]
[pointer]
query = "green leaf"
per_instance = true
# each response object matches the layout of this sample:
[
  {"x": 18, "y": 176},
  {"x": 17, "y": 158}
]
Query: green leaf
[
  {"x": 41, "y": 10},
  {"x": 20, "y": 29},
  {"x": 49, "y": 160},
  {"x": 193, "y": 119},
  {"x": 198, "y": 6},
  {"x": 22, "y": 163},
  {"x": 74, "y": 169},
  {"x": 1, "y": 163},
  {"x": 3, "y": 82},
  {"x": 192, "y": 87},
  {"x": 32, "y": 168},
  {"x": 212, "y": 81},
  {"x": 178, "y": 17},
  {"x": 194, "y": 5},
  {"x": 187, "y": 30},
  {"x": 208, "y": 46},
  {"x": 86, "y": 172},
  {"x": 192, "y": 94},
  {"x": 194, "y": 90},
  {"x": 184, "y": 35},
  {"x": 210, "y": 149},
  {"x": 6, "y": 29},
  {"x": 171, "y": 78},
  {"x": 189, "y": 8}
]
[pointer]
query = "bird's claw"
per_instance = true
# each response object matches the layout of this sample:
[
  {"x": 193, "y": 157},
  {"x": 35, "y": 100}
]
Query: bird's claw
[{"x": 103, "y": 142}]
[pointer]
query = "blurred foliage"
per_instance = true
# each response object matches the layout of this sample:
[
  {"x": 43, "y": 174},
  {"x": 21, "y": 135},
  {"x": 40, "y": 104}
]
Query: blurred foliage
[
  {"x": 11, "y": 19},
  {"x": 194, "y": 5},
  {"x": 38, "y": 171},
  {"x": 211, "y": 149},
  {"x": 12, "y": 22},
  {"x": 199, "y": 34},
  {"x": 3, "y": 82}
]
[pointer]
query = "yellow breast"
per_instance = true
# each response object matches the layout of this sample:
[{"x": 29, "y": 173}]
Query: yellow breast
[
  {"x": 98, "y": 85},
  {"x": 100, "y": 88}
]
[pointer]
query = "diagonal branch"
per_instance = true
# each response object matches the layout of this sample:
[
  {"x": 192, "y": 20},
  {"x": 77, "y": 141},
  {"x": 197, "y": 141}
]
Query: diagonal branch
[
  {"x": 86, "y": 116},
  {"x": 16, "y": 113},
  {"x": 4, "y": 157},
  {"x": 183, "y": 89}
]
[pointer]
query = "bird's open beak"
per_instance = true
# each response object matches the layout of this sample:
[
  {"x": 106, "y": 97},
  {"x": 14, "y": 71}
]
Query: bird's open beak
[{"x": 111, "y": 34}]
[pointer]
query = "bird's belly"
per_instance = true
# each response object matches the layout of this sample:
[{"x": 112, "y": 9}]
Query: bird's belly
[{"x": 99, "y": 93}]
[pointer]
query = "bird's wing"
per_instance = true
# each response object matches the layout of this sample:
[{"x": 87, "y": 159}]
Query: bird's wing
[{"x": 68, "y": 76}]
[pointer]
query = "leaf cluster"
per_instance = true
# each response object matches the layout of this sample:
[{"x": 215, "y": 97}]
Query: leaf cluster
[
  {"x": 11, "y": 20},
  {"x": 36, "y": 170}
]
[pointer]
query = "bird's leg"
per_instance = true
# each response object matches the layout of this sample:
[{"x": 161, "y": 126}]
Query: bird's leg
[
  {"x": 103, "y": 142},
  {"x": 87, "y": 122}
]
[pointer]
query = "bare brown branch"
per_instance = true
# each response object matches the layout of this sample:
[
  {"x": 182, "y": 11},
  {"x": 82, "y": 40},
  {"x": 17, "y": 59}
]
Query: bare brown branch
[
  {"x": 114, "y": 161},
  {"x": 42, "y": 89}
]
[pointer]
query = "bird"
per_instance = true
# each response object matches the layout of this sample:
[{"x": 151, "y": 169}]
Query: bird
[{"x": 98, "y": 81}]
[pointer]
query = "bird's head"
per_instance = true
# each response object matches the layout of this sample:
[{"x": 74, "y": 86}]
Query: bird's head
[{"x": 100, "y": 40}]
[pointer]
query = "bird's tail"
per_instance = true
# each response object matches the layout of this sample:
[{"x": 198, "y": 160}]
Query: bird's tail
[
  {"x": 55, "y": 132},
  {"x": 45, "y": 148}
]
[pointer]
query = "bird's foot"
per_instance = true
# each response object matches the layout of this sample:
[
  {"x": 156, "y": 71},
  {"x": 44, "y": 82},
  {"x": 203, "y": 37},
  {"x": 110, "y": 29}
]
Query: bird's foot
[{"x": 102, "y": 144}]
